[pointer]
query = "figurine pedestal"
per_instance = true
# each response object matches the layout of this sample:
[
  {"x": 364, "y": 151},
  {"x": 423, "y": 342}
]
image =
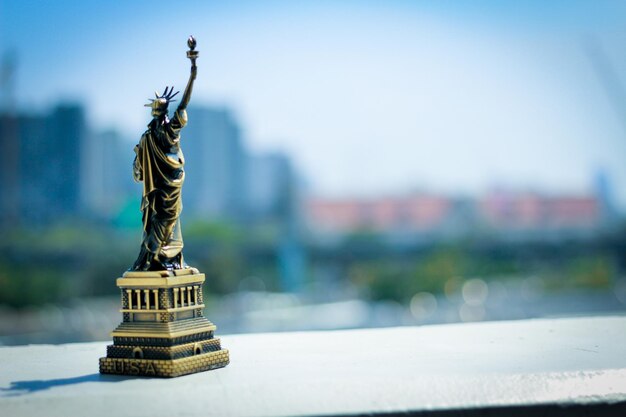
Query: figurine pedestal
[{"x": 164, "y": 332}]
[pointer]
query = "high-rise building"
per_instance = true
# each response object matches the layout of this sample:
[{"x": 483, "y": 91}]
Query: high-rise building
[
  {"x": 9, "y": 168},
  {"x": 44, "y": 164},
  {"x": 270, "y": 183},
  {"x": 273, "y": 198},
  {"x": 107, "y": 173},
  {"x": 215, "y": 163},
  {"x": 66, "y": 135}
]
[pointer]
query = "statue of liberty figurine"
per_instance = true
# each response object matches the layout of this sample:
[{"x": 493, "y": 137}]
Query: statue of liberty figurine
[{"x": 159, "y": 164}]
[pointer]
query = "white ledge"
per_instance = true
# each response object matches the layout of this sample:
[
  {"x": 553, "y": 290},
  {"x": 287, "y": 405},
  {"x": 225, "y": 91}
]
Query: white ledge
[{"x": 576, "y": 363}]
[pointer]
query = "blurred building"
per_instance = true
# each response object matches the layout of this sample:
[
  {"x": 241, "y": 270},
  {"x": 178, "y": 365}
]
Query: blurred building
[
  {"x": 274, "y": 200},
  {"x": 418, "y": 212},
  {"x": 603, "y": 191},
  {"x": 216, "y": 165},
  {"x": 54, "y": 167},
  {"x": 41, "y": 164},
  {"x": 226, "y": 182},
  {"x": 107, "y": 173},
  {"x": 504, "y": 213},
  {"x": 534, "y": 212},
  {"x": 10, "y": 167},
  {"x": 270, "y": 180}
]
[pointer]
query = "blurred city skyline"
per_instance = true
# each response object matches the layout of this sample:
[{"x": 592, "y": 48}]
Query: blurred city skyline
[
  {"x": 367, "y": 98},
  {"x": 57, "y": 167}
]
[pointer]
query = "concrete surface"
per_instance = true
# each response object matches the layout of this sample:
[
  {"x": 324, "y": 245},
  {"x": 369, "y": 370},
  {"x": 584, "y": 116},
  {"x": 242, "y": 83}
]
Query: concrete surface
[{"x": 575, "y": 366}]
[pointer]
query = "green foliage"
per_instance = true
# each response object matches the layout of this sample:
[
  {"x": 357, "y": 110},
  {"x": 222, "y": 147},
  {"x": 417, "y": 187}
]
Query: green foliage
[
  {"x": 431, "y": 270},
  {"x": 53, "y": 265},
  {"x": 30, "y": 285},
  {"x": 224, "y": 232},
  {"x": 69, "y": 260},
  {"x": 399, "y": 280},
  {"x": 595, "y": 271}
]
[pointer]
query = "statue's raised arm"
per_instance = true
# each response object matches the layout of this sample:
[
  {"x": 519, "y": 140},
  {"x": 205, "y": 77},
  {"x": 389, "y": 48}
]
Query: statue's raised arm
[{"x": 192, "y": 54}]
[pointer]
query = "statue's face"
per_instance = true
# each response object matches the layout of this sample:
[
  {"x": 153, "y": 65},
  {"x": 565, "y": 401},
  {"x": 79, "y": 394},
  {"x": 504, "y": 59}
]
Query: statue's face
[
  {"x": 157, "y": 112},
  {"x": 159, "y": 107}
]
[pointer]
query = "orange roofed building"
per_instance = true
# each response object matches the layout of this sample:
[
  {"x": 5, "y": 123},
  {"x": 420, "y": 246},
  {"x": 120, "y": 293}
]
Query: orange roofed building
[
  {"x": 503, "y": 212},
  {"x": 417, "y": 212},
  {"x": 528, "y": 211}
]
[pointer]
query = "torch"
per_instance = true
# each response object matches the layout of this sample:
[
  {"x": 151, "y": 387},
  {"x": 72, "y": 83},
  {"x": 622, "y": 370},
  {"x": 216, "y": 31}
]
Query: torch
[{"x": 192, "y": 53}]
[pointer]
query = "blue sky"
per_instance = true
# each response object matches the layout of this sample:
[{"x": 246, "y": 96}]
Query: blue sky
[{"x": 368, "y": 97}]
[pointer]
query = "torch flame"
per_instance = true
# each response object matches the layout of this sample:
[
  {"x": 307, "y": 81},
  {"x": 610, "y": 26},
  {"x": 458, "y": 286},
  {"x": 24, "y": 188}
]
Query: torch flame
[{"x": 191, "y": 43}]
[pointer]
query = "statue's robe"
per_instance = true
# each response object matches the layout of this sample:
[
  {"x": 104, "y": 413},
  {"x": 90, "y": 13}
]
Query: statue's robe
[{"x": 159, "y": 163}]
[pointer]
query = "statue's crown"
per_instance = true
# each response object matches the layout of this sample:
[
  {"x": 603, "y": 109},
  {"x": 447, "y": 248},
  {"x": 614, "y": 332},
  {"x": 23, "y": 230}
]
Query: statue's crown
[{"x": 161, "y": 101}]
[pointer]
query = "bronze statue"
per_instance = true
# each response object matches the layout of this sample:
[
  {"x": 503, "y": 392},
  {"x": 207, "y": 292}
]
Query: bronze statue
[
  {"x": 159, "y": 164},
  {"x": 163, "y": 332}
]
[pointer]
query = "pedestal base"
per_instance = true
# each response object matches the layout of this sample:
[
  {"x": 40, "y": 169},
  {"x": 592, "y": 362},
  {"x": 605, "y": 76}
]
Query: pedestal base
[
  {"x": 165, "y": 368},
  {"x": 163, "y": 332}
]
